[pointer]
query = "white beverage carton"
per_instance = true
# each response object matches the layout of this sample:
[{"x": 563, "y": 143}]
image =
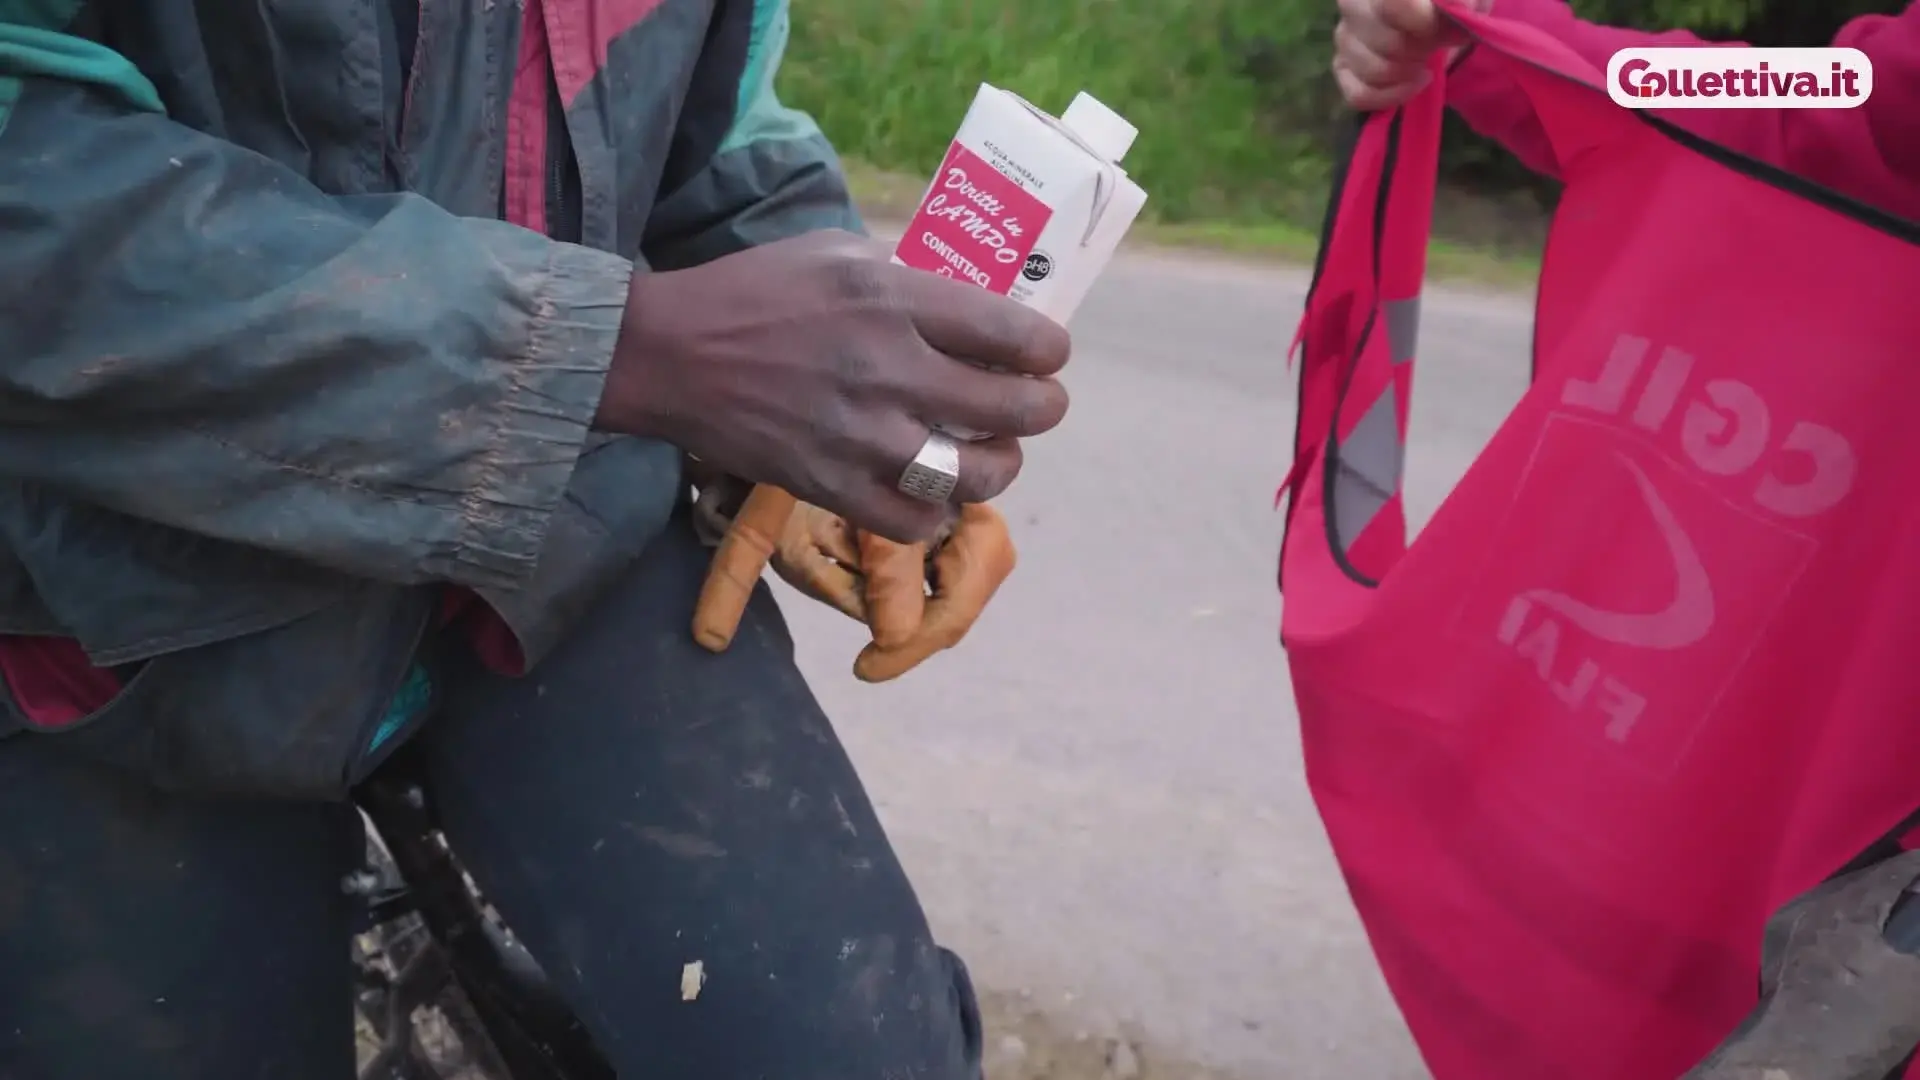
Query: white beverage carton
[{"x": 1026, "y": 205}]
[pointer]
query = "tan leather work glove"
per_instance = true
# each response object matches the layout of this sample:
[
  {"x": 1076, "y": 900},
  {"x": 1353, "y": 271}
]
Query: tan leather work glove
[
  {"x": 909, "y": 625},
  {"x": 864, "y": 576}
]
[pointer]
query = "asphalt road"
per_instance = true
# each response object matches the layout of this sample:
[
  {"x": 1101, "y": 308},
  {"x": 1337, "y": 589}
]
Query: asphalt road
[{"x": 1100, "y": 793}]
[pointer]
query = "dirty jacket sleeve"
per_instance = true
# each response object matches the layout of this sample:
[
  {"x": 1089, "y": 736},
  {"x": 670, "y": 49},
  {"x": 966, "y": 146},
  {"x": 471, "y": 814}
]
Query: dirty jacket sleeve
[
  {"x": 771, "y": 175},
  {"x": 197, "y": 336},
  {"x": 1871, "y": 152}
]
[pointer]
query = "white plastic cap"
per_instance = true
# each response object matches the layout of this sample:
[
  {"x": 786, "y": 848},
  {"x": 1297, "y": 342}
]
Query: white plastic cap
[{"x": 1103, "y": 129}]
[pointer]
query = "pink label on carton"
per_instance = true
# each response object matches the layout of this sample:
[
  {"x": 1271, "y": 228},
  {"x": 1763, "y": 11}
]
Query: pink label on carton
[{"x": 976, "y": 224}]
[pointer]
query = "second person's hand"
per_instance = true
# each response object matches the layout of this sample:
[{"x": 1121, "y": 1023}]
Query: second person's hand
[
  {"x": 1381, "y": 49},
  {"x": 816, "y": 365}
]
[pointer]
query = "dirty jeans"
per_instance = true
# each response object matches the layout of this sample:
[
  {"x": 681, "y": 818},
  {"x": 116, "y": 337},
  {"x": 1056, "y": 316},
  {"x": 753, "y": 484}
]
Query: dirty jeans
[{"x": 633, "y": 805}]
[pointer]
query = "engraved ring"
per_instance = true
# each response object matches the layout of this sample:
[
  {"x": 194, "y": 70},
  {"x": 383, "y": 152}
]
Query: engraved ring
[{"x": 934, "y": 472}]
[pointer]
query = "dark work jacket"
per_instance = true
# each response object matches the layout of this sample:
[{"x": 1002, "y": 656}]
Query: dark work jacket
[{"x": 273, "y": 371}]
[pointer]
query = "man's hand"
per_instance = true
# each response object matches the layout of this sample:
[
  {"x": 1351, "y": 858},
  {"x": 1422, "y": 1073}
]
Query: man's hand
[
  {"x": 1381, "y": 49},
  {"x": 816, "y": 365}
]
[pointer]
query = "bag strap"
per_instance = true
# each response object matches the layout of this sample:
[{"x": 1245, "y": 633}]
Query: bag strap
[{"x": 1358, "y": 334}]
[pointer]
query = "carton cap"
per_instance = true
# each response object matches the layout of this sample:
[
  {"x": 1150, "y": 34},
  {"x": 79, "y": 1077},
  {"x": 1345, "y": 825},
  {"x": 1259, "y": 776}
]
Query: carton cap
[{"x": 1103, "y": 129}]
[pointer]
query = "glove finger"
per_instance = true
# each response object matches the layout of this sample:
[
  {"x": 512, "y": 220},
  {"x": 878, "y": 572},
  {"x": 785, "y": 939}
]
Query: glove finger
[
  {"x": 968, "y": 570},
  {"x": 833, "y": 535},
  {"x": 801, "y": 563},
  {"x": 878, "y": 665},
  {"x": 814, "y": 580},
  {"x": 737, "y": 565},
  {"x": 830, "y": 583},
  {"x": 896, "y": 588}
]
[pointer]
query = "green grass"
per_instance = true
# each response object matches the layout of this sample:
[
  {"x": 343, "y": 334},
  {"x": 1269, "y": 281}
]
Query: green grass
[
  {"x": 890, "y": 79},
  {"x": 1220, "y": 90}
]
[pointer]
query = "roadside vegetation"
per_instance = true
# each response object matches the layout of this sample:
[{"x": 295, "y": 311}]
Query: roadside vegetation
[{"x": 1237, "y": 116}]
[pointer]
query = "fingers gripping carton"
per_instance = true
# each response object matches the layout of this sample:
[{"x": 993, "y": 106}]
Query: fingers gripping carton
[{"x": 1026, "y": 205}]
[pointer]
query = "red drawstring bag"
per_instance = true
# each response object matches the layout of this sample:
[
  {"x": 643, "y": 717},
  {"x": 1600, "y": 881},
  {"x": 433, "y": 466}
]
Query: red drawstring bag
[{"x": 1653, "y": 669}]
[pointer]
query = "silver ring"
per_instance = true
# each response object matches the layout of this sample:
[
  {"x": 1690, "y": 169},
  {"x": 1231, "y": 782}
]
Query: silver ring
[{"x": 934, "y": 472}]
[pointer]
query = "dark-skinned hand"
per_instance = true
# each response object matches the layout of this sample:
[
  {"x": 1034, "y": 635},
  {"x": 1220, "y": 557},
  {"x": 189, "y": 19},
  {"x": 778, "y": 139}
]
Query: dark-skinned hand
[{"x": 817, "y": 365}]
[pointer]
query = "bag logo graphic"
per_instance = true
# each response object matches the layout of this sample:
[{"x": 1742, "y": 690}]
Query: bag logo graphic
[
  {"x": 1686, "y": 621},
  {"x": 1039, "y": 265},
  {"x": 1653, "y": 479}
]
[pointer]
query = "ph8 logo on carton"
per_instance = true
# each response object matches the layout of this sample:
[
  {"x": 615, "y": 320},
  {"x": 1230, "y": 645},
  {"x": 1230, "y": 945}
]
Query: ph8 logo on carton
[{"x": 975, "y": 224}]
